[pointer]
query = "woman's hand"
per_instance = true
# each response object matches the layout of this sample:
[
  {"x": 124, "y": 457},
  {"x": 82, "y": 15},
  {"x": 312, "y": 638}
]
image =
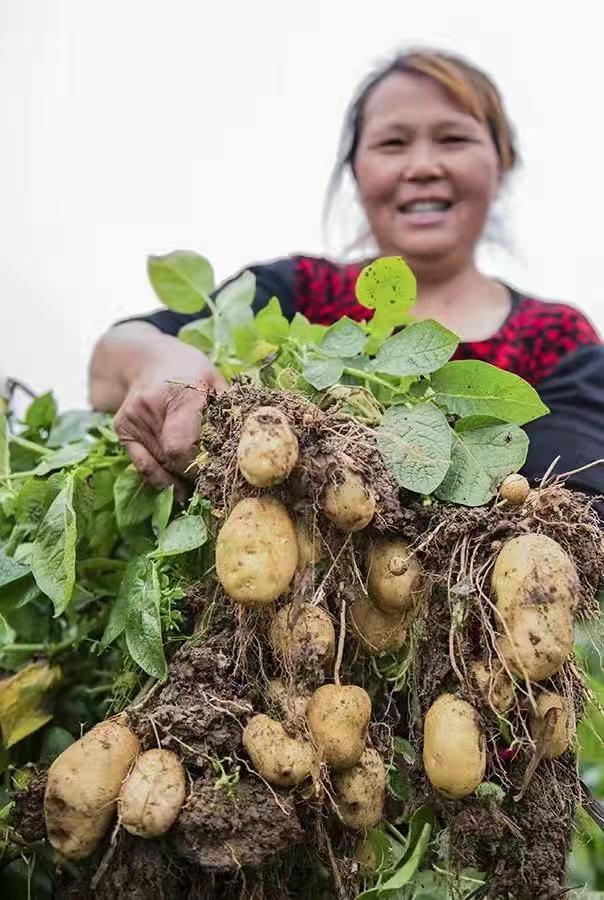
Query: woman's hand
[{"x": 161, "y": 386}]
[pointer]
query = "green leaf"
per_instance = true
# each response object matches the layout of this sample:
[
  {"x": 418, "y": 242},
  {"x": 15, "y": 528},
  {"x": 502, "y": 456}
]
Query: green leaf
[
  {"x": 271, "y": 323},
  {"x": 7, "y": 634},
  {"x": 24, "y": 701},
  {"x": 343, "y": 338},
  {"x": 54, "y": 741},
  {"x": 420, "y": 830},
  {"x": 4, "y": 441},
  {"x": 181, "y": 535},
  {"x": 143, "y": 627},
  {"x": 54, "y": 550},
  {"x": 322, "y": 373},
  {"x": 471, "y": 387},
  {"x": 162, "y": 509},
  {"x": 305, "y": 332},
  {"x": 134, "y": 500},
  {"x": 33, "y": 501},
  {"x": 234, "y": 300},
  {"x": 41, "y": 412},
  {"x": 421, "y": 348},
  {"x": 481, "y": 456},
  {"x": 74, "y": 426},
  {"x": 199, "y": 334},
  {"x": 387, "y": 286},
  {"x": 118, "y": 617},
  {"x": 182, "y": 280},
  {"x": 101, "y": 483},
  {"x": 10, "y": 570},
  {"x": 416, "y": 446},
  {"x": 66, "y": 456}
]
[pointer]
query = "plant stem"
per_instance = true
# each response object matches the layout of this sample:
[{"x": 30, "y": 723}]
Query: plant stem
[
  {"x": 29, "y": 445},
  {"x": 369, "y": 376}
]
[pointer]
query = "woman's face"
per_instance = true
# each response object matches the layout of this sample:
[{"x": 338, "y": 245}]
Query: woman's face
[{"x": 427, "y": 172}]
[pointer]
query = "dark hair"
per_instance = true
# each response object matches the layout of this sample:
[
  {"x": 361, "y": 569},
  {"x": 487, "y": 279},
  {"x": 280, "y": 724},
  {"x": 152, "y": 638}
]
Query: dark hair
[{"x": 472, "y": 88}]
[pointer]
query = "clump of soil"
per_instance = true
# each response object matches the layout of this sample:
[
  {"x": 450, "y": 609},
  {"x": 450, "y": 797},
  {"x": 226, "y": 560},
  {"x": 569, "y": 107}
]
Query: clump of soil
[{"x": 29, "y": 810}]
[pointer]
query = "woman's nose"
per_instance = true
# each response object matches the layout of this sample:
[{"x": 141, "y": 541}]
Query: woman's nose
[{"x": 422, "y": 162}]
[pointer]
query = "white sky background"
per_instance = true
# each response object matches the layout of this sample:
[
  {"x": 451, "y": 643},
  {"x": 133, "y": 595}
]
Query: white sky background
[{"x": 130, "y": 127}]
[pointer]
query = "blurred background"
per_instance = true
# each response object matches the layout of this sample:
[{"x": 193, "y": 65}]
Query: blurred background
[{"x": 132, "y": 127}]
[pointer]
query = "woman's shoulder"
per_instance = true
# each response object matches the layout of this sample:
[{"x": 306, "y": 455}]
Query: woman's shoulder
[{"x": 531, "y": 311}]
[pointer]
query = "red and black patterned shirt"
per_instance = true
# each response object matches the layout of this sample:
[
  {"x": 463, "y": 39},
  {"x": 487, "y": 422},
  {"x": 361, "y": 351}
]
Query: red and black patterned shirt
[{"x": 551, "y": 345}]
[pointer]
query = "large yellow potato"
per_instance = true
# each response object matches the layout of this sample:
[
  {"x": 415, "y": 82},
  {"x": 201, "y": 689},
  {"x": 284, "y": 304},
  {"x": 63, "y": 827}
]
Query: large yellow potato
[
  {"x": 310, "y": 544},
  {"x": 454, "y": 747},
  {"x": 360, "y": 791},
  {"x": 83, "y": 785},
  {"x": 533, "y": 570},
  {"x": 279, "y": 758},
  {"x": 558, "y": 729},
  {"x": 299, "y": 630},
  {"x": 494, "y": 685},
  {"x": 153, "y": 794},
  {"x": 540, "y": 640},
  {"x": 268, "y": 448},
  {"x": 377, "y": 631},
  {"x": 347, "y": 501},
  {"x": 338, "y": 717},
  {"x": 256, "y": 551},
  {"x": 394, "y": 578}
]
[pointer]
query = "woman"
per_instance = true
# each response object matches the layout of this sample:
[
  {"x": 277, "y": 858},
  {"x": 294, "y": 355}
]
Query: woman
[{"x": 429, "y": 146}]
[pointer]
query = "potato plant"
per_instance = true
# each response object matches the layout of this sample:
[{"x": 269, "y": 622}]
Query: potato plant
[{"x": 344, "y": 668}]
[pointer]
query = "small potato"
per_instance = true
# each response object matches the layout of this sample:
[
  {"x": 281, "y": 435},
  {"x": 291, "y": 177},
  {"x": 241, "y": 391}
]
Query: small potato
[
  {"x": 301, "y": 630},
  {"x": 454, "y": 747},
  {"x": 256, "y": 551},
  {"x": 83, "y": 785},
  {"x": 533, "y": 570},
  {"x": 377, "y": 631},
  {"x": 338, "y": 717},
  {"x": 557, "y": 730},
  {"x": 540, "y": 640},
  {"x": 394, "y": 580},
  {"x": 268, "y": 448},
  {"x": 347, "y": 501},
  {"x": 280, "y": 759},
  {"x": 361, "y": 790},
  {"x": 153, "y": 794},
  {"x": 310, "y": 549},
  {"x": 515, "y": 489},
  {"x": 494, "y": 686},
  {"x": 288, "y": 704}
]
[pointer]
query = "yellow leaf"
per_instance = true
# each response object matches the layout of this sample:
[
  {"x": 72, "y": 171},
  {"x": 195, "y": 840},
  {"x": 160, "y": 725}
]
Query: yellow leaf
[{"x": 24, "y": 701}]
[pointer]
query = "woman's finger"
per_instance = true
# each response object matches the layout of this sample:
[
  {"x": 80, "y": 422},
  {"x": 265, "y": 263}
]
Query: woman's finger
[{"x": 150, "y": 470}]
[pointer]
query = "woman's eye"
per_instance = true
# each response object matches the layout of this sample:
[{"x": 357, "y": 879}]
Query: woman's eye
[
  {"x": 454, "y": 139},
  {"x": 393, "y": 142}
]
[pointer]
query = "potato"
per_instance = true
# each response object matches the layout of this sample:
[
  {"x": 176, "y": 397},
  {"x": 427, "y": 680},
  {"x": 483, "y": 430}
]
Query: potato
[
  {"x": 83, "y": 785},
  {"x": 338, "y": 717},
  {"x": 347, "y": 501},
  {"x": 494, "y": 686},
  {"x": 540, "y": 641},
  {"x": 268, "y": 448},
  {"x": 310, "y": 544},
  {"x": 152, "y": 795},
  {"x": 287, "y": 703},
  {"x": 279, "y": 758},
  {"x": 557, "y": 731},
  {"x": 515, "y": 489},
  {"x": 300, "y": 630},
  {"x": 394, "y": 580},
  {"x": 360, "y": 791},
  {"x": 256, "y": 551},
  {"x": 454, "y": 747},
  {"x": 533, "y": 570},
  {"x": 377, "y": 631}
]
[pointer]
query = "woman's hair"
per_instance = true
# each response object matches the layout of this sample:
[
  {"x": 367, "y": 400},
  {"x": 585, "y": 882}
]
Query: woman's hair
[{"x": 468, "y": 85}]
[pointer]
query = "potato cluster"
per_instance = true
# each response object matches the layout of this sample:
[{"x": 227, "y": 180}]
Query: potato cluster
[{"x": 535, "y": 590}]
